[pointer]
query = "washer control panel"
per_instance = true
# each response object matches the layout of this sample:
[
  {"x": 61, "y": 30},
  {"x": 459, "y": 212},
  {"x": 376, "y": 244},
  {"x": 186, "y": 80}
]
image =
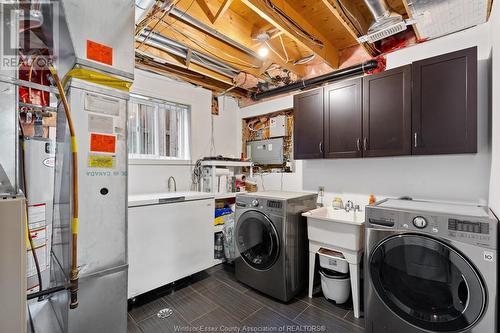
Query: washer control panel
[
  {"x": 480, "y": 231},
  {"x": 420, "y": 222}
]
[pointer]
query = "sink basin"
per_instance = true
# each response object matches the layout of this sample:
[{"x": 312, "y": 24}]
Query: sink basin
[
  {"x": 336, "y": 229},
  {"x": 337, "y": 215}
]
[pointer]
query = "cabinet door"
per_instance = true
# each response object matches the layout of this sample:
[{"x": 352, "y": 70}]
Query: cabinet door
[
  {"x": 445, "y": 104},
  {"x": 387, "y": 113},
  {"x": 343, "y": 119},
  {"x": 308, "y": 125}
]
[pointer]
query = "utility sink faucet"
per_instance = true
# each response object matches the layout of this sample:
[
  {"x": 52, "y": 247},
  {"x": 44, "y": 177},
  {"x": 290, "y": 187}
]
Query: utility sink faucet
[
  {"x": 169, "y": 185},
  {"x": 351, "y": 206}
]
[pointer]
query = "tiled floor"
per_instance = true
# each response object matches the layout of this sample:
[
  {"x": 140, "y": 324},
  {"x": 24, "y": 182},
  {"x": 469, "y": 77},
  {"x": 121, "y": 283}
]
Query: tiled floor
[{"x": 213, "y": 299}]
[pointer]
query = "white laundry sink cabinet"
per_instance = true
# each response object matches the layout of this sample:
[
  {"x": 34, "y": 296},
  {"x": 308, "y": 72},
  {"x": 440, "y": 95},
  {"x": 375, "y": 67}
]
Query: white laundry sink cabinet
[{"x": 340, "y": 231}]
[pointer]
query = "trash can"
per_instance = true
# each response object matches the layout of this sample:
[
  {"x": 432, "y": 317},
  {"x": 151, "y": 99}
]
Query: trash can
[
  {"x": 335, "y": 279},
  {"x": 336, "y": 286}
]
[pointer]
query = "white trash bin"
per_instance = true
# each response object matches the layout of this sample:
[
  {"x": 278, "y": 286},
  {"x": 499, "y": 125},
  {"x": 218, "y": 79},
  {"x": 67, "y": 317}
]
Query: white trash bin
[{"x": 336, "y": 286}]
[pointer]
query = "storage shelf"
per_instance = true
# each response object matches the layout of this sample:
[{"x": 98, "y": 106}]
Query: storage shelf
[
  {"x": 218, "y": 228},
  {"x": 219, "y": 196},
  {"x": 227, "y": 163}
]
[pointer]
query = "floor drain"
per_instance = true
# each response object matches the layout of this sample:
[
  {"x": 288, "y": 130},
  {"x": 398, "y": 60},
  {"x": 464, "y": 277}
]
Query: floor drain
[{"x": 164, "y": 313}]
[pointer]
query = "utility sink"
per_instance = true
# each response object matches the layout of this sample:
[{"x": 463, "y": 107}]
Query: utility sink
[{"x": 336, "y": 227}]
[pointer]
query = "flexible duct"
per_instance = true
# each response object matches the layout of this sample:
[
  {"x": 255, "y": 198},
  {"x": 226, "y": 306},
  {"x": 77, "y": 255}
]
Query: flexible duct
[{"x": 332, "y": 76}]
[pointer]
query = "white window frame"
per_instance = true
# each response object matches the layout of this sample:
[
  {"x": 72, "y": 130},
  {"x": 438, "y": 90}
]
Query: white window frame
[{"x": 184, "y": 139}]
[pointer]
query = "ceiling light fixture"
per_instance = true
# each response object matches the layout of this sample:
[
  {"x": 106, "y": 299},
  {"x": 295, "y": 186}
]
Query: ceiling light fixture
[{"x": 263, "y": 51}]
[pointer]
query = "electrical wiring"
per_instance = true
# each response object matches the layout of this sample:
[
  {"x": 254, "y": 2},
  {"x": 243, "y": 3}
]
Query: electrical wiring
[
  {"x": 291, "y": 23},
  {"x": 284, "y": 48},
  {"x": 247, "y": 65},
  {"x": 28, "y": 231},
  {"x": 275, "y": 52},
  {"x": 74, "y": 224},
  {"x": 346, "y": 11}
]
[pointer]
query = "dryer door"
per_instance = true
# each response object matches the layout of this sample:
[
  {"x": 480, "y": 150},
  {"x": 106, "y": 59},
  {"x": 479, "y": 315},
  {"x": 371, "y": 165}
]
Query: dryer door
[
  {"x": 427, "y": 283},
  {"x": 257, "y": 240}
]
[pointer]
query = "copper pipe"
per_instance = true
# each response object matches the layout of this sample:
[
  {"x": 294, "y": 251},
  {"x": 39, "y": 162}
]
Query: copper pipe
[{"x": 74, "y": 225}]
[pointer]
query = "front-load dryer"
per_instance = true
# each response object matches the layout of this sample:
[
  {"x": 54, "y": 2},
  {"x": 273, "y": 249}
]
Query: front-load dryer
[
  {"x": 271, "y": 242},
  {"x": 430, "y": 267}
]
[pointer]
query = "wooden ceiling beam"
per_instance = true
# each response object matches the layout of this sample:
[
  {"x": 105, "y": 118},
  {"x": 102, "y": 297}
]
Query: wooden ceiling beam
[
  {"x": 222, "y": 9},
  {"x": 348, "y": 22},
  {"x": 236, "y": 28},
  {"x": 328, "y": 52}
]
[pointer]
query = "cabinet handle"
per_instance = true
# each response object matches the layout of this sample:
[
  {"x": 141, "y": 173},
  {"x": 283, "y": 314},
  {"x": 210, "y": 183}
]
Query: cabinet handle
[
  {"x": 365, "y": 143},
  {"x": 415, "y": 140},
  {"x": 321, "y": 147},
  {"x": 358, "y": 144}
]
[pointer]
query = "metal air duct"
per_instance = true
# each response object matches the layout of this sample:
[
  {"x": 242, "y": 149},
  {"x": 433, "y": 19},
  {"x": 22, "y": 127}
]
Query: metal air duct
[{"x": 386, "y": 22}]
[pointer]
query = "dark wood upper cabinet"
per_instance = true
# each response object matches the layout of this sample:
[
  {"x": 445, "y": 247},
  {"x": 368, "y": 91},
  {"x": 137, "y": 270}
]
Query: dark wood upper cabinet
[
  {"x": 445, "y": 104},
  {"x": 343, "y": 119},
  {"x": 387, "y": 113},
  {"x": 308, "y": 124}
]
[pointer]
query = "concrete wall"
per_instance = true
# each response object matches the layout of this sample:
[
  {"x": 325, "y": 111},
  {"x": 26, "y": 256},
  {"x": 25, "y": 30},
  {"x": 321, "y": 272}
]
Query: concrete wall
[
  {"x": 495, "y": 166},
  {"x": 148, "y": 176},
  {"x": 445, "y": 177}
]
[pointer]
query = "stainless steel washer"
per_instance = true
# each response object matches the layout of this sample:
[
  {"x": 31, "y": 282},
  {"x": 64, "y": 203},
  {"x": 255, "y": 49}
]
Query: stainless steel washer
[
  {"x": 431, "y": 267},
  {"x": 271, "y": 239}
]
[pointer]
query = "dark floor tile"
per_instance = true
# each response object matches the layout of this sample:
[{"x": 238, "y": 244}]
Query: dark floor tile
[
  {"x": 289, "y": 310},
  {"x": 147, "y": 310},
  {"x": 171, "y": 324},
  {"x": 132, "y": 327},
  {"x": 356, "y": 321},
  {"x": 318, "y": 300},
  {"x": 204, "y": 281},
  {"x": 266, "y": 320},
  {"x": 214, "y": 269},
  {"x": 314, "y": 316},
  {"x": 217, "y": 318},
  {"x": 178, "y": 290},
  {"x": 227, "y": 276},
  {"x": 237, "y": 304},
  {"x": 190, "y": 307}
]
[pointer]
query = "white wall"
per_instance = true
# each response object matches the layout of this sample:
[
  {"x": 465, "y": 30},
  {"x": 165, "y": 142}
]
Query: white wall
[
  {"x": 445, "y": 177},
  {"x": 278, "y": 181},
  {"x": 495, "y": 166},
  {"x": 152, "y": 176}
]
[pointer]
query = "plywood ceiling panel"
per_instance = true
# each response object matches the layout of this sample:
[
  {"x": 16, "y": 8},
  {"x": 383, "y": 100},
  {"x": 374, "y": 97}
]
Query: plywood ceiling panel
[{"x": 326, "y": 23}]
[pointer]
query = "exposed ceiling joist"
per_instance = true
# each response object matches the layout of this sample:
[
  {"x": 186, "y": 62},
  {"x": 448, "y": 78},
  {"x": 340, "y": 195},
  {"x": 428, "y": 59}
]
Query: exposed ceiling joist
[
  {"x": 327, "y": 51},
  {"x": 222, "y": 9},
  {"x": 351, "y": 18},
  {"x": 234, "y": 27}
]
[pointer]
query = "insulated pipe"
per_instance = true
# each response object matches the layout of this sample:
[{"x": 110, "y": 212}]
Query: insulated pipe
[{"x": 332, "y": 76}]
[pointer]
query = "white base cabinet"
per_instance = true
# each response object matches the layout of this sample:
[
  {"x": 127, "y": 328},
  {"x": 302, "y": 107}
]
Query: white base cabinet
[{"x": 167, "y": 242}]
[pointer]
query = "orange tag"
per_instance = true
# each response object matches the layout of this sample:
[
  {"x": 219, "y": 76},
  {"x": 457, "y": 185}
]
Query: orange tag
[
  {"x": 102, "y": 143},
  {"x": 99, "y": 52}
]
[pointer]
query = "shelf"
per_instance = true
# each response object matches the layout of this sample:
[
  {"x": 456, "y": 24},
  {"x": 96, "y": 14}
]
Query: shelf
[
  {"x": 227, "y": 163},
  {"x": 219, "y": 261},
  {"x": 218, "y": 228}
]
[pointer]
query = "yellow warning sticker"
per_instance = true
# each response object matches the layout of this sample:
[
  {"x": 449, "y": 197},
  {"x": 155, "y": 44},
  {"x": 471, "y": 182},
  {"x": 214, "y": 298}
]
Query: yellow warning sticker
[{"x": 101, "y": 161}]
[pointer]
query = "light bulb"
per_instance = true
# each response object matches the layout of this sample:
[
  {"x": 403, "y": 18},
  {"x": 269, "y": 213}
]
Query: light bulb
[{"x": 263, "y": 52}]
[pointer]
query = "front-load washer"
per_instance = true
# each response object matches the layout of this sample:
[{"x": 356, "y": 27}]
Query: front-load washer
[
  {"x": 271, "y": 242},
  {"x": 431, "y": 267}
]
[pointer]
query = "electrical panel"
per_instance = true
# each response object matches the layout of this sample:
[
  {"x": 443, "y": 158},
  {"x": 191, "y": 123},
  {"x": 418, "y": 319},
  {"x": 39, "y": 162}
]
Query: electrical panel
[
  {"x": 266, "y": 152},
  {"x": 278, "y": 126}
]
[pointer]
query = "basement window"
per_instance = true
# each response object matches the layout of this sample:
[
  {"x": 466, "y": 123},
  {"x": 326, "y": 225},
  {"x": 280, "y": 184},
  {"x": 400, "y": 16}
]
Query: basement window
[{"x": 157, "y": 130}]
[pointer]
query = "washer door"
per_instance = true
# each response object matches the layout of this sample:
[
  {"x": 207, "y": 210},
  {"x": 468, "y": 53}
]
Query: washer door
[
  {"x": 427, "y": 283},
  {"x": 257, "y": 240}
]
